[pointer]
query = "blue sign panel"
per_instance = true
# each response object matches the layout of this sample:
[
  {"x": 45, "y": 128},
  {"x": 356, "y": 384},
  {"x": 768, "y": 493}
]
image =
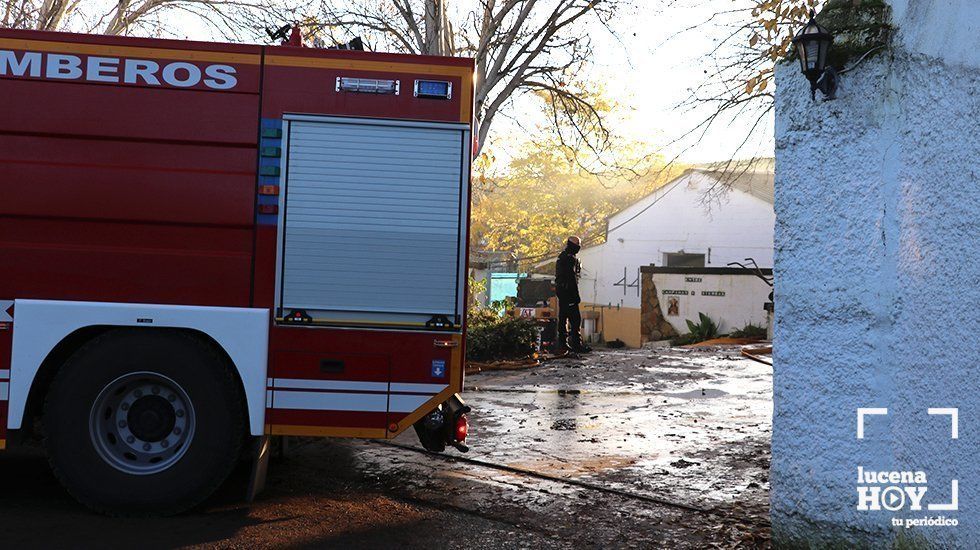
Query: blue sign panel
[{"x": 438, "y": 368}]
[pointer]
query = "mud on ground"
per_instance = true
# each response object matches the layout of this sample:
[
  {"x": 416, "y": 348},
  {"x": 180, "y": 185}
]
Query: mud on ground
[{"x": 618, "y": 448}]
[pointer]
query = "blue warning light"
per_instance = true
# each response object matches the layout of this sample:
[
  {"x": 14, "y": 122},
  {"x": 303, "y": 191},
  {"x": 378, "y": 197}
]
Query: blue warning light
[{"x": 437, "y": 89}]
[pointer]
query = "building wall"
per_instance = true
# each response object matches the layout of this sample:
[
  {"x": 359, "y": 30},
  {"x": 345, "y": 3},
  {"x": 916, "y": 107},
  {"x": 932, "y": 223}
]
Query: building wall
[
  {"x": 618, "y": 323},
  {"x": 877, "y": 284},
  {"x": 731, "y": 301},
  {"x": 503, "y": 285},
  {"x": 738, "y": 227}
]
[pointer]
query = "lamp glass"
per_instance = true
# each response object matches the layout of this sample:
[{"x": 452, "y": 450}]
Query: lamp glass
[
  {"x": 812, "y": 44},
  {"x": 823, "y": 46}
]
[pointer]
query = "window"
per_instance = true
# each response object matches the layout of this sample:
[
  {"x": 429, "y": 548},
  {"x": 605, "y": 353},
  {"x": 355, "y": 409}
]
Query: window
[{"x": 681, "y": 259}]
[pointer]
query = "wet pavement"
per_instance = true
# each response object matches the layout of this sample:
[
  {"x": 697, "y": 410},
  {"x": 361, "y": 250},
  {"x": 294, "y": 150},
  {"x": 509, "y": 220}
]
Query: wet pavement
[
  {"x": 663, "y": 448},
  {"x": 646, "y": 438}
]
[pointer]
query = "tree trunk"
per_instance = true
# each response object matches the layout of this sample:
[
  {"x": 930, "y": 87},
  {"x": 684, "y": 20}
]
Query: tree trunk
[{"x": 436, "y": 28}]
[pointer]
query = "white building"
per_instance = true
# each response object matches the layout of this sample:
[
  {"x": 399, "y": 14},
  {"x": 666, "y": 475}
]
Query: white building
[{"x": 678, "y": 226}]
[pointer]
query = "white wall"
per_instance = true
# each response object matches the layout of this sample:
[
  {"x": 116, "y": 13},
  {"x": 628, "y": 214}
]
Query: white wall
[
  {"x": 946, "y": 29},
  {"x": 738, "y": 227},
  {"x": 877, "y": 285},
  {"x": 742, "y": 303}
]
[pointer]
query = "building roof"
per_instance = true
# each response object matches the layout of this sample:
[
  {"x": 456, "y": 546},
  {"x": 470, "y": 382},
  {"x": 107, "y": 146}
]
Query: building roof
[
  {"x": 483, "y": 259},
  {"x": 753, "y": 176}
]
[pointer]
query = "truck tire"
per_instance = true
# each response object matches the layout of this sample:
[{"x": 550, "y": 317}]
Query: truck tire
[{"x": 142, "y": 422}]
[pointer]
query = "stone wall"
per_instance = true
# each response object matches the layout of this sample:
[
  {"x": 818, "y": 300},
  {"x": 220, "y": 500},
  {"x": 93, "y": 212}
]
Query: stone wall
[{"x": 653, "y": 325}]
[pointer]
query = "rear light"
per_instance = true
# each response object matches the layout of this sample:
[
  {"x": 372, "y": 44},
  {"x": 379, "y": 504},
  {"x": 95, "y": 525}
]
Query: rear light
[
  {"x": 462, "y": 427},
  {"x": 446, "y": 425},
  {"x": 457, "y": 426}
]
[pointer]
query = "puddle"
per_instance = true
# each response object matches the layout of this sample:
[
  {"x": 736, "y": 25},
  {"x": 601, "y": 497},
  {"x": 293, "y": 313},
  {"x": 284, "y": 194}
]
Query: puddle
[
  {"x": 643, "y": 425},
  {"x": 703, "y": 393}
]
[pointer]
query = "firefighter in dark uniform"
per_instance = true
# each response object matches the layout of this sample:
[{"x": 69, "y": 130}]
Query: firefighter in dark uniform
[{"x": 567, "y": 270}]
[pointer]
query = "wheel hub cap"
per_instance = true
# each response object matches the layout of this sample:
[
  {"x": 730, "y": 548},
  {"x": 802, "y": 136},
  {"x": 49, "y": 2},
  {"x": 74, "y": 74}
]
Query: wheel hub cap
[
  {"x": 142, "y": 423},
  {"x": 151, "y": 418}
]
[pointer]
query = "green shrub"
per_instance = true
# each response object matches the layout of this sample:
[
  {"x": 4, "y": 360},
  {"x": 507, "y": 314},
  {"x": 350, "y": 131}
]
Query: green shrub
[
  {"x": 705, "y": 330},
  {"x": 683, "y": 340},
  {"x": 508, "y": 302},
  {"x": 475, "y": 288},
  {"x": 494, "y": 338},
  {"x": 481, "y": 316},
  {"x": 750, "y": 331}
]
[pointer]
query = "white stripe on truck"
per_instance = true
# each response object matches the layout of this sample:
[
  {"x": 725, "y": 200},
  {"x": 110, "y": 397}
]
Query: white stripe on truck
[{"x": 352, "y": 385}]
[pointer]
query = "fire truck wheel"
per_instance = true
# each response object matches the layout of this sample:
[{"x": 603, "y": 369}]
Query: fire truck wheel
[{"x": 144, "y": 422}]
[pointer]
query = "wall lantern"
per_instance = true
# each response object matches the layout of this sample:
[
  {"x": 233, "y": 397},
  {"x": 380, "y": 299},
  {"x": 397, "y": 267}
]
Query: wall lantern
[{"x": 812, "y": 44}]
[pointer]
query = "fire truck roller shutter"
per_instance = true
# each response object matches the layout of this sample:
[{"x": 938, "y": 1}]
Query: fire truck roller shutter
[{"x": 373, "y": 219}]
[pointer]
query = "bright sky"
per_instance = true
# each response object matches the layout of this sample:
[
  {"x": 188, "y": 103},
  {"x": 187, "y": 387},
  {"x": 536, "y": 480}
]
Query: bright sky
[
  {"x": 655, "y": 75},
  {"x": 649, "y": 70},
  {"x": 649, "y": 67}
]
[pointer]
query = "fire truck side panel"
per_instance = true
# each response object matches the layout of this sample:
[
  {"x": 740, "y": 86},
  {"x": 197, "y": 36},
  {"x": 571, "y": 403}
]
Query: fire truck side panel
[
  {"x": 125, "y": 186},
  {"x": 151, "y": 263},
  {"x": 354, "y": 382},
  {"x": 139, "y": 199},
  {"x": 348, "y": 392},
  {"x": 134, "y": 113},
  {"x": 39, "y": 325},
  {"x": 188, "y": 183},
  {"x": 340, "y": 386},
  {"x": 312, "y": 91}
]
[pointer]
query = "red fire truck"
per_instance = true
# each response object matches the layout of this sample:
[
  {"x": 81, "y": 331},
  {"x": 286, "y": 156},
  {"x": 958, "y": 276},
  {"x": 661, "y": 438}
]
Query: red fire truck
[{"x": 203, "y": 246}]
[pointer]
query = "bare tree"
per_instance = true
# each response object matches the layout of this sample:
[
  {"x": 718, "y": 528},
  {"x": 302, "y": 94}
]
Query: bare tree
[
  {"x": 438, "y": 35},
  {"x": 127, "y": 17},
  {"x": 738, "y": 83},
  {"x": 520, "y": 46}
]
